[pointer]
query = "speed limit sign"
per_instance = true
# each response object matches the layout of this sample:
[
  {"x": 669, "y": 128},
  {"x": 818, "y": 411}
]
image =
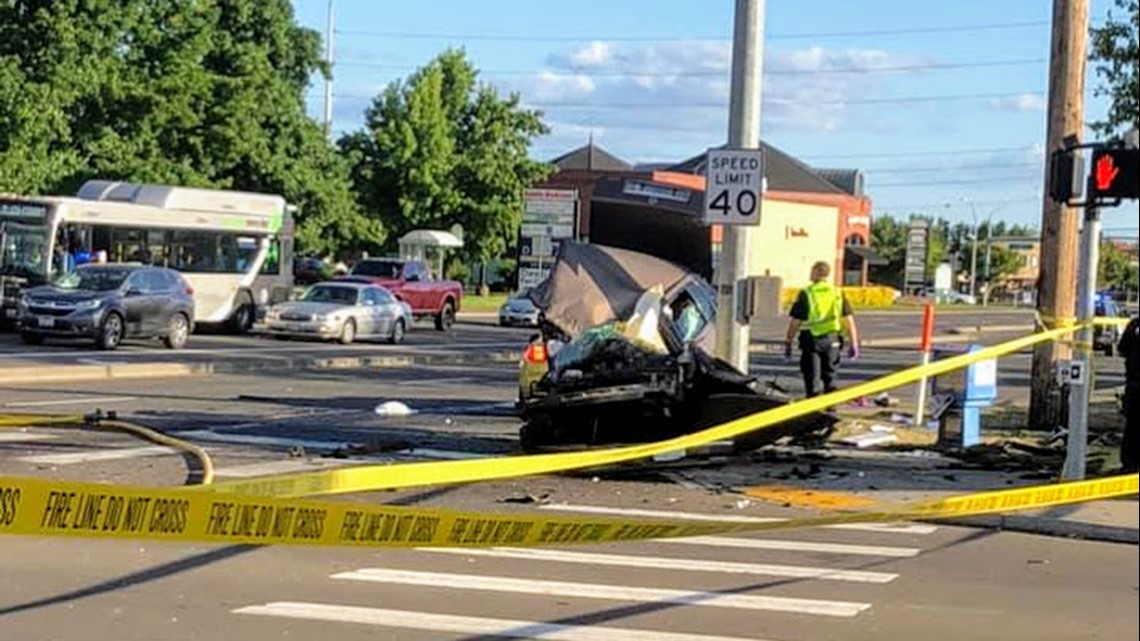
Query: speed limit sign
[{"x": 734, "y": 187}]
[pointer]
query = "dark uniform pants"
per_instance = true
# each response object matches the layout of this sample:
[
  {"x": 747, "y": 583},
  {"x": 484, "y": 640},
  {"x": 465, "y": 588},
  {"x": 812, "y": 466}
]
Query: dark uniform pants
[{"x": 819, "y": 358}]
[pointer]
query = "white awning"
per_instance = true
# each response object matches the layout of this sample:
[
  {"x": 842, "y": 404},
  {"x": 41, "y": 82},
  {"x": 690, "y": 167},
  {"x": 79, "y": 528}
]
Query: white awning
[{"x": 431, "y": 238}]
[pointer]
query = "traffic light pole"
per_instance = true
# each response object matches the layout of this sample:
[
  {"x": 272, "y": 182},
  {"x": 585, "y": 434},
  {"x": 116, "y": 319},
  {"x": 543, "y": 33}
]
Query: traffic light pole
[
  {"x": 732, "y": 336},
  {"x": 1076, "y": 451}
]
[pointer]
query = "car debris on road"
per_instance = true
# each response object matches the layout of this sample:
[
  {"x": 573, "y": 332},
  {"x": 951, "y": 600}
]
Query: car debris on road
[{"x": 624, "y": 355}]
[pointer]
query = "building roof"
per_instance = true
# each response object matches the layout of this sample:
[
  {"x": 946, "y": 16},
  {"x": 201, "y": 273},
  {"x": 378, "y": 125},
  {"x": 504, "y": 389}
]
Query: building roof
[
  {"x": 849, "y": 180},
  {"x": 590, "y": 157},
  {"x": 784, "y": 173}
]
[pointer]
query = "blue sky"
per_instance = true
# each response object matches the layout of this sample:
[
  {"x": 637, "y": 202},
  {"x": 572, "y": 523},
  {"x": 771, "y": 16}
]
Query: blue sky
[{"x": 846, "y": 83}]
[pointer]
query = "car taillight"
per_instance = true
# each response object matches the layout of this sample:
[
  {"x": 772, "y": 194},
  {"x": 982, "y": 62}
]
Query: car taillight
[{"x": 535, "y": 353}]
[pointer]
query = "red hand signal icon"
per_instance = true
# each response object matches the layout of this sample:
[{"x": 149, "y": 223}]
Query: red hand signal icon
[{"x": 1105, "y": 172}]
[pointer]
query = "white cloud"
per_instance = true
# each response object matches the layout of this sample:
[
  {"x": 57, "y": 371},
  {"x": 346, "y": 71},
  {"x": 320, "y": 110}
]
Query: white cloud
[
  {"x": 556, "y": 86},
  {"x": 1020, "y": 103},
  {"x": 595, "y": 54}
]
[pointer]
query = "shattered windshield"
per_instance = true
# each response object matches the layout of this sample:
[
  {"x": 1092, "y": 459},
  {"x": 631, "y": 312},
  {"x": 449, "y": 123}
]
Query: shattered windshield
[{"x": 22, "y": 250}]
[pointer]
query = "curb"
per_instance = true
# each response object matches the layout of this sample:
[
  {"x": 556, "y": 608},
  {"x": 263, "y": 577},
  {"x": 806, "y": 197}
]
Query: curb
[
  {"x": 1048, "y": 526},
  {"x": 982, "y": 329},
  {"x": 78, "y": 373}
]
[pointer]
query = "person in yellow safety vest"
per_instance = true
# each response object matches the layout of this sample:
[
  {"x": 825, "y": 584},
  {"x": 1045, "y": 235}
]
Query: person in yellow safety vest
[{"x": 818, "y": 318}]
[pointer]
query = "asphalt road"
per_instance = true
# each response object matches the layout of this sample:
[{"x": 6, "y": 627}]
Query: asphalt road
[
  {"x": 476, "y": 335},
  {"x": 931, "y": 582}
]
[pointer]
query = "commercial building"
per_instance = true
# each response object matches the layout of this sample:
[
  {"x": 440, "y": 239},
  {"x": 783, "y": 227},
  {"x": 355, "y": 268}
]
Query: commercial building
[
  {"x": 1020, "y": 285},
  {"x": 807, "y": 214}
]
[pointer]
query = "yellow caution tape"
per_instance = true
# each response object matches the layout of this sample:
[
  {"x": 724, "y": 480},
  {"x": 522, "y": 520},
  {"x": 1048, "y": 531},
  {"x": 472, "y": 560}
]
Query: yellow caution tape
[
  {"x": 36, "y": 507},
  {"x": 377, "y": 477}
]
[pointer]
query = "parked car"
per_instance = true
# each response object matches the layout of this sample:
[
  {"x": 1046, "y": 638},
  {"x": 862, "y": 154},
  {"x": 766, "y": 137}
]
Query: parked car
[
  {"x": 412, "y": 282},
  {"x": 310, "y": 271},
  {"x": 1105, "y": 338},
  {"x": 340, "y": 311},
  {"x": 958, "y": 298},
  {"x": 519, "y": 311},
  {"x": 624, "y": 354},
  {"x": 109, "y": 303}
]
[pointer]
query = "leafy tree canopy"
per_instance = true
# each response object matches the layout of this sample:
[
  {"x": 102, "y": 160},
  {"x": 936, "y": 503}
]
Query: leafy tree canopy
[
  {"x": 440, "y": 149},
  {"x": 202, "y": 93}
]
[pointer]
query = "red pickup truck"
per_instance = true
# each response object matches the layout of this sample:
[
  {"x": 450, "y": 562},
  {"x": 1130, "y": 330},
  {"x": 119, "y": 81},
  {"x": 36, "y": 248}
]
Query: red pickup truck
[{"x": 412, "y": 282}]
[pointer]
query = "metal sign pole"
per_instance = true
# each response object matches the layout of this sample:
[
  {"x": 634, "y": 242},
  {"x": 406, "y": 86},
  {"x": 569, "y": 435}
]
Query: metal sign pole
[{"x": 1079, "y": 389}]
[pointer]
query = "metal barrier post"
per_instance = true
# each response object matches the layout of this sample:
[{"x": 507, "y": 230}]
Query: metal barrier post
[
  {"x": 1078, "y": 437},
  {"x": 925, "y": 346}
]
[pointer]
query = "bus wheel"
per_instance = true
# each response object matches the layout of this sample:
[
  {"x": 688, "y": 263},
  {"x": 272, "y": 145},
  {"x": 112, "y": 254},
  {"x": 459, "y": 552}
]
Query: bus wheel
[{"x": 242, "y": 318}]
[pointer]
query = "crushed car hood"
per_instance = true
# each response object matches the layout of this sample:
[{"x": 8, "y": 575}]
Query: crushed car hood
[{"x": 591, "y": 285}]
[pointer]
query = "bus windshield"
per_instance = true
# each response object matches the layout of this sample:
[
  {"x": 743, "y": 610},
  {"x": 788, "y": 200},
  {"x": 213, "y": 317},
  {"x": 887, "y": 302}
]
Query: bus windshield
[
  {"x": 94, "y": 279},
  {"x": 22, "y": 250}
]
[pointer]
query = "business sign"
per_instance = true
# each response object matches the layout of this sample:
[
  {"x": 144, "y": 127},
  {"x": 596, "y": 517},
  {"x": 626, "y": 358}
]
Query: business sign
[
  {"x": 734, "y": 186},
  {"x": 917, "y": 249},
  {"x": 655, "y": 192},
  {"x": 549, "y": 217}
]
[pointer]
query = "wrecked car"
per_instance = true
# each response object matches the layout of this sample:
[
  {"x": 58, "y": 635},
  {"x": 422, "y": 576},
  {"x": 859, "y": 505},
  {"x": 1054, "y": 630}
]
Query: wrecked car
[{"x": 625, "y": 355}]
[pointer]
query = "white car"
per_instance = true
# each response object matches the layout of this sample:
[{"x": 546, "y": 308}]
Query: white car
[
  {"x": 958, "y": 298},
  {"x": 341, "y": 311}
]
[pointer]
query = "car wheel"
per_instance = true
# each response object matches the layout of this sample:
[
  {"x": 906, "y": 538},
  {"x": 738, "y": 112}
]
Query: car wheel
[
  {"x": 446, "y": 317},
  {"x": 32, "y": 338},
  {"x": 177, "y": 331},
  {"x": 398, "y": 332},
  {"x": 110, "y": 333},
  {"x": 348, "y": 332}
]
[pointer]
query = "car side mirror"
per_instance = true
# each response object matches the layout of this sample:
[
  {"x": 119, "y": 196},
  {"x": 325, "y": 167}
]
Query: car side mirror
[{"x": 133, "y": 291}]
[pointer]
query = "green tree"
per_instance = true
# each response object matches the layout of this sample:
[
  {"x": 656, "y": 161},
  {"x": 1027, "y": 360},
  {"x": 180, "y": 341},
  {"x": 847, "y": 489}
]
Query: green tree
[
  {"x": 1116, "y": 54},
  {"x": 1117, "y": 269},
  {"x": 888, "y": 239},
  {"x": 207, "y": 93},
  {"x": 440, "y": 149}
]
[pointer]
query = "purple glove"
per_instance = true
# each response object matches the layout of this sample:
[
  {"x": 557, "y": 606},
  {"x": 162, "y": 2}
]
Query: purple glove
[{"x": 852, "y": 352}]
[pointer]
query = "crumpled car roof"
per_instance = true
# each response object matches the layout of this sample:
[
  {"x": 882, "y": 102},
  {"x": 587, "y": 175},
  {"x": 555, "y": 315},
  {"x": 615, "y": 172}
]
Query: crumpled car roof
[{"x": 591, "y": 285}]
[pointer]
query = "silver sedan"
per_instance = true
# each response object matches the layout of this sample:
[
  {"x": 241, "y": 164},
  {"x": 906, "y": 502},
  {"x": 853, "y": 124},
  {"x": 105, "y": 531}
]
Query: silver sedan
[{"x": 341, "y": 311}]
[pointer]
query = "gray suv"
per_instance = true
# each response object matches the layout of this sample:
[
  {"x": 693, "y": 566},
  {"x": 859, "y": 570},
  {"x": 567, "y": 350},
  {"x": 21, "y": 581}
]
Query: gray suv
[{"x": 108, "y": 303}]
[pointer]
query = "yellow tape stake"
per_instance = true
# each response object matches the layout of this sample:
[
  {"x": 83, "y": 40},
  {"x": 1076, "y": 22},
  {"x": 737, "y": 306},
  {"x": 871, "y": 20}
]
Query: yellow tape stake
[
  {"x": 377, "y": 477},
  {"x": 36, "y": 507}
]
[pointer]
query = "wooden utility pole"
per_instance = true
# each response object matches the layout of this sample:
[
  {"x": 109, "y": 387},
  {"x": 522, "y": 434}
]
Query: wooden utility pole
[{"x": 1057, "y": 284}]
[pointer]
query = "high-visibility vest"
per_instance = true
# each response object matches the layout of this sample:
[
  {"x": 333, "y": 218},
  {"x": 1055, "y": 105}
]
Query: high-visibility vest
[{"x": 825, "y": 309}]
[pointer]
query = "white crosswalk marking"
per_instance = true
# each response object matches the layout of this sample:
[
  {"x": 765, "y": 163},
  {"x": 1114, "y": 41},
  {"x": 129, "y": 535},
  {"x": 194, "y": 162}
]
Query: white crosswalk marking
[
  {"x": 93, "y": 456},
  {"x": 895, "y": 528},
  {"x": 613, "y": 592},
  {"x": 796, "y": 546},
  {"x": 668, "y": 563},
  {"x": 468, "y": 625}
]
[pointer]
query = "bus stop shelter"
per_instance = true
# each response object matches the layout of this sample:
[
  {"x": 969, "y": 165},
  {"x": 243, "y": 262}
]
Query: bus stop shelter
[{"x": 429, "y": 245}]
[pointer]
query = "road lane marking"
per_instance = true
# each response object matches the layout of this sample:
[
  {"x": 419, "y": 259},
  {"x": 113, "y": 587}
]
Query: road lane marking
[
  {"x": 610, "y": 592},
  {"x": 73, "y": 401},
  {"x": 94, "y": 456},
  {"x": 893, "y": 528},
  {"x": 210, "y": 436},
  {"x": 21, "y": 437},
  {"x": 470, "y": 626},
  {"x": 279, "y": 467},
  {"x": 796, "y": 546},
  {"x": 669, "y": 563}
]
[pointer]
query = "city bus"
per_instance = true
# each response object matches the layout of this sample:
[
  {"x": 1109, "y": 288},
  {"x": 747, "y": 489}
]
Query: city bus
[{"x": 234, "y": 248}]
